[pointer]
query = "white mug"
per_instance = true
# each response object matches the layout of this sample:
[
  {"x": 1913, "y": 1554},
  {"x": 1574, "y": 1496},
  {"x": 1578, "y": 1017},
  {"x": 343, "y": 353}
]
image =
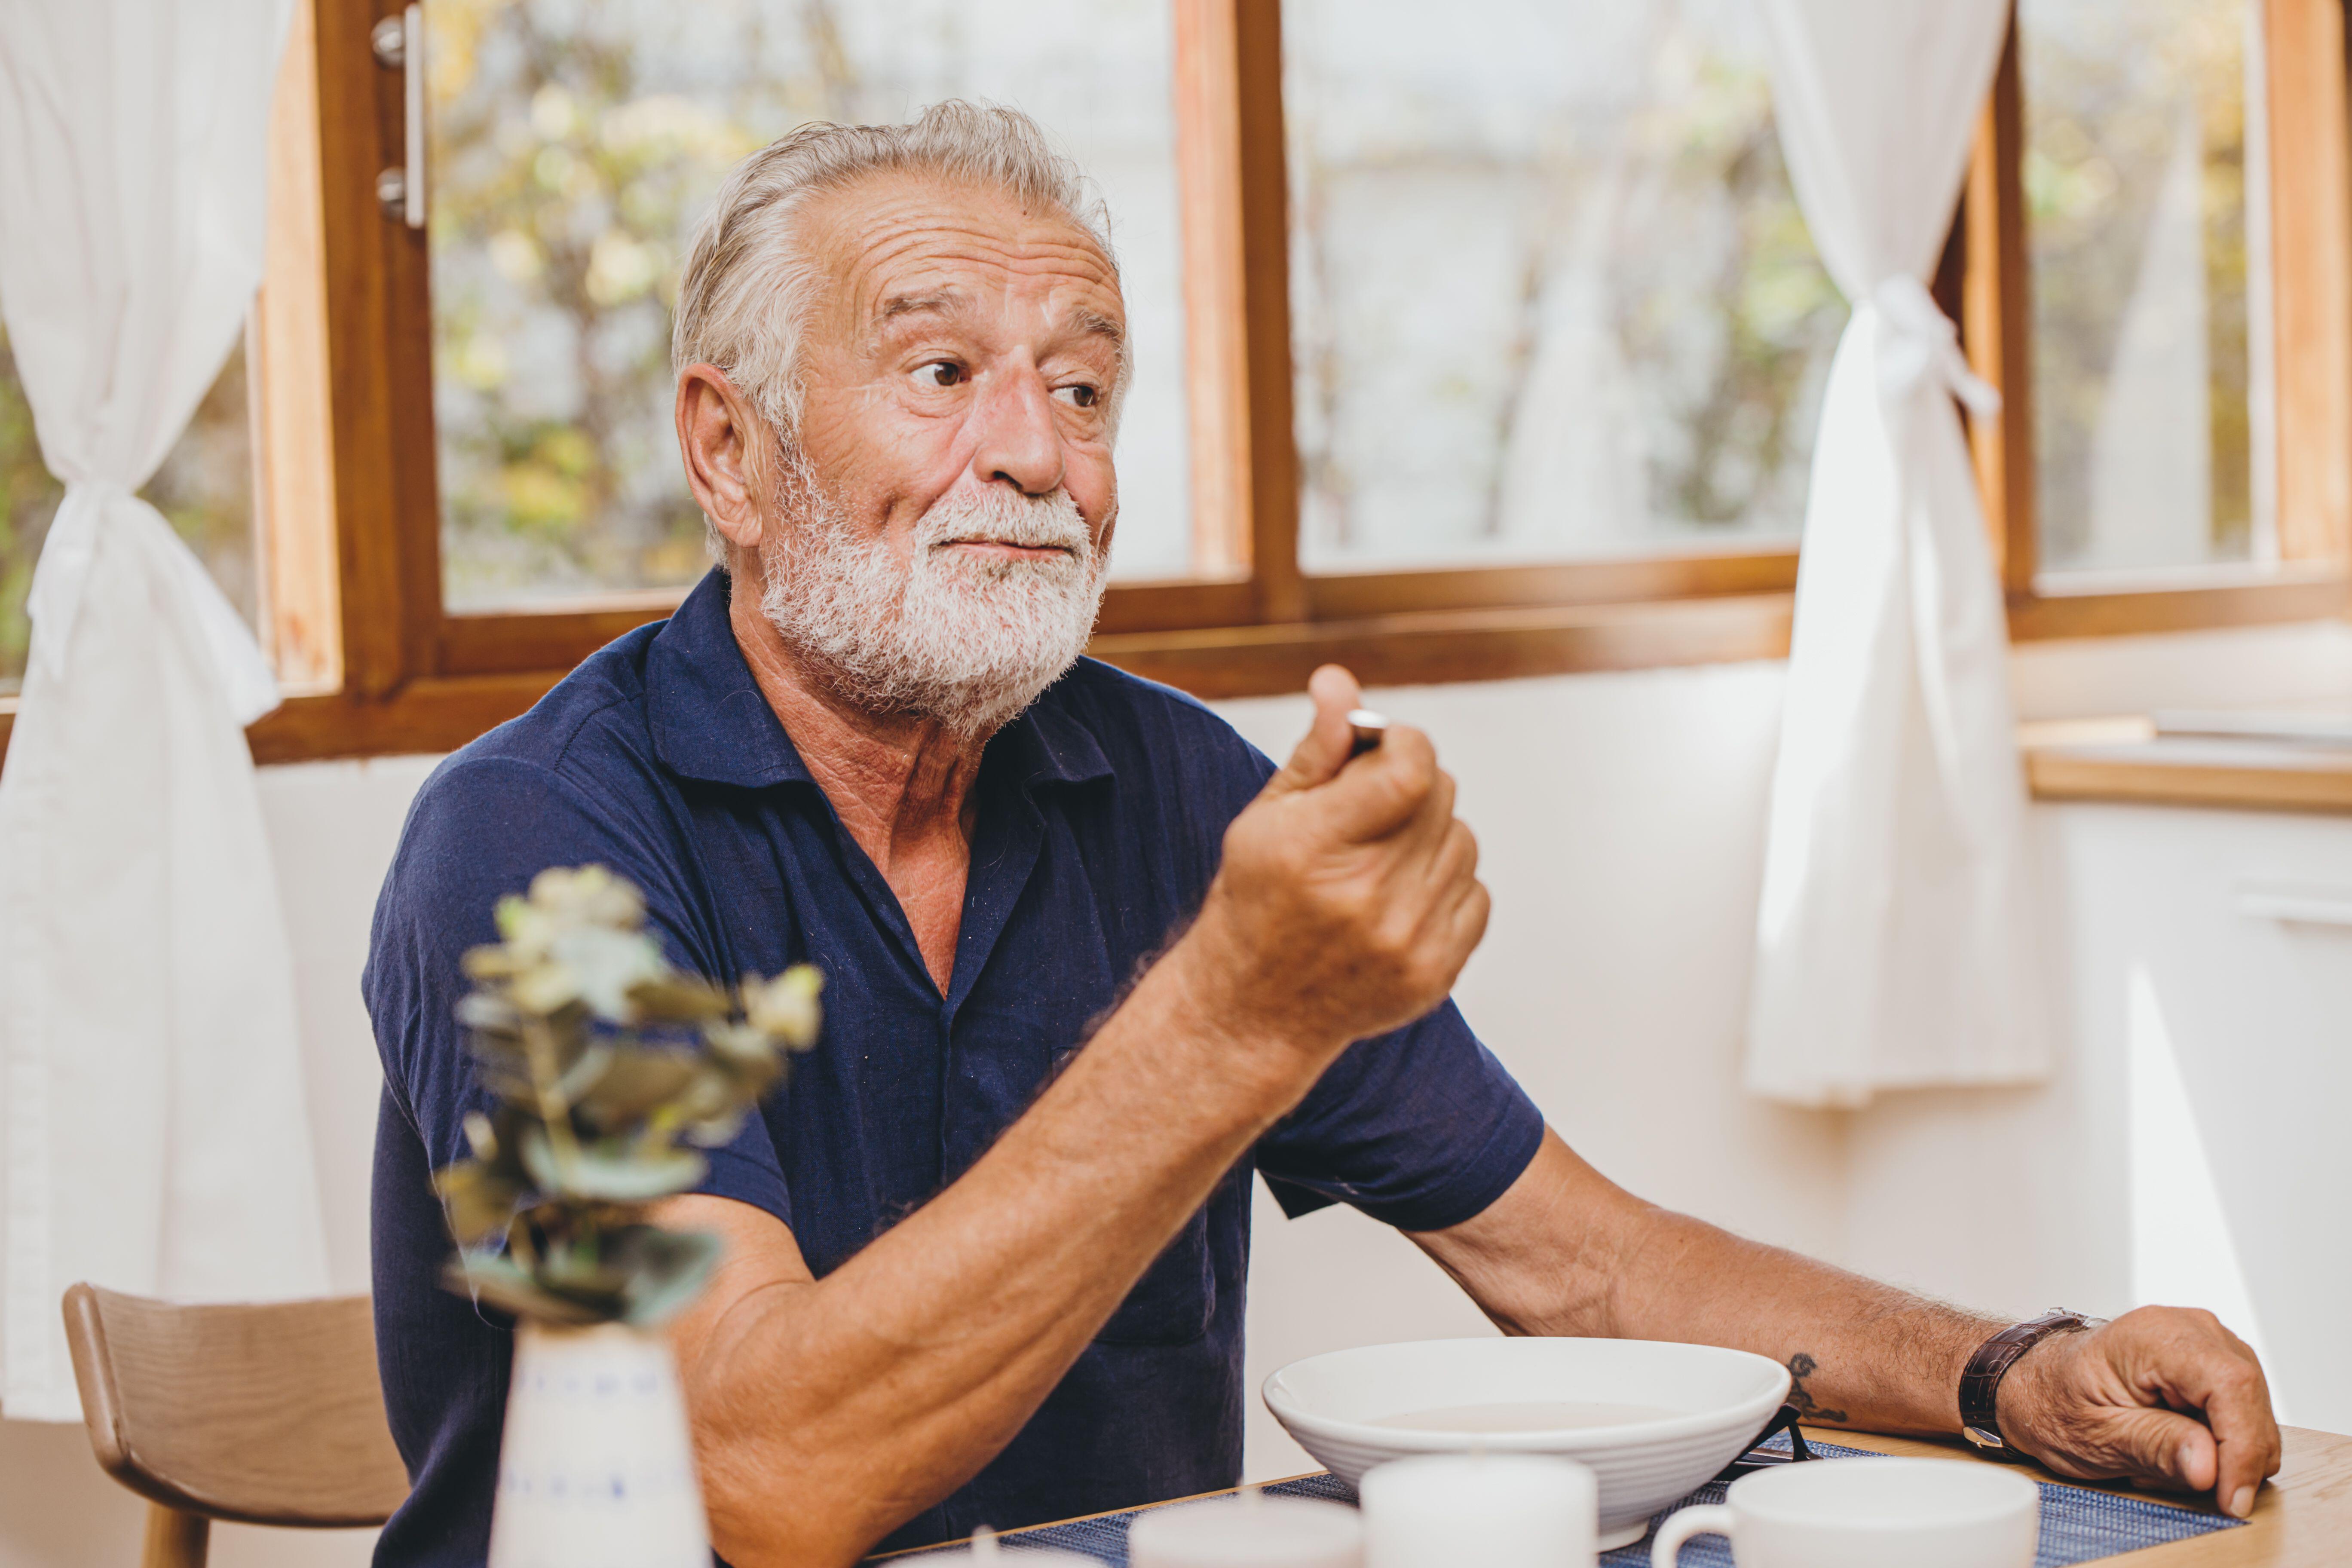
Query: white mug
[
  {"x": 1497, "y": 1510},
  {"x": 1867, "y": 1513},
  {"x": 1247, "y": 1532}
]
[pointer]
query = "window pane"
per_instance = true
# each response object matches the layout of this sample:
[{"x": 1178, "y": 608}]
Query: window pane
[
  {"x": 2145, "y": 332},
  {"x": 1552, "y": 294},
  {"x": 205, "y": 487},
  {"x": 574, "y": 145}
]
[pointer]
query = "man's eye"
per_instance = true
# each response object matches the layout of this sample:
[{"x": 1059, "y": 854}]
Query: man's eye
[
  {"x": 1082, "y": 395},
  {"x": 940, "y": 373}
]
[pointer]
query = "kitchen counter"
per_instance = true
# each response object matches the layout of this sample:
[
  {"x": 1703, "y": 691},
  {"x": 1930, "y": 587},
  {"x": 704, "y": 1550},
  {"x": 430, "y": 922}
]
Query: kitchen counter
[{"x": 2128, "y": 760}]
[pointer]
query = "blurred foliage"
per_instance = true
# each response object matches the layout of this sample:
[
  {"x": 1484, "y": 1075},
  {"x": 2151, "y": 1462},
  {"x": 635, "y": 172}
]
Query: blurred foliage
[
  {"x": 601, "y": 1057},
  {"x": 1770, "y": 316},
  {"x": 2108, "y": 98},
  {"x": 28, "y": 499},
  {"x": 1653, "y": 253},
  {"x": 575, "y": 141},
  {"x": 205, "y": 487}
]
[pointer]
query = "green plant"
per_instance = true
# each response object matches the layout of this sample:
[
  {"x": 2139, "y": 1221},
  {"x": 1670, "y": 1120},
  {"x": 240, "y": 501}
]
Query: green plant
[{"x": 602, "y": 1057}]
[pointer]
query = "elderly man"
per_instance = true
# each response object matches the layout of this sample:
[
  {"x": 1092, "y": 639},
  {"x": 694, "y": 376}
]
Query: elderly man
[{"x": 1091, "y": 961}]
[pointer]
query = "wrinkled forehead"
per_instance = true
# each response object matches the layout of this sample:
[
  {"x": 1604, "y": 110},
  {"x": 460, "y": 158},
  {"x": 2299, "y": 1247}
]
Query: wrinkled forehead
[{"x": 898, "y": 245}]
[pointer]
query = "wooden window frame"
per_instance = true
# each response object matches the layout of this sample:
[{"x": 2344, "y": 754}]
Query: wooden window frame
[
  {"x": 415, "y": 676},
  {"x": 374, "y": 664},
  {"x": 2305, "y": 66}
]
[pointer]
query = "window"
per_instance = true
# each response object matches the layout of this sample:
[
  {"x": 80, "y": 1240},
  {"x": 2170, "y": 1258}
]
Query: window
[
  {"x": 2156, "y": 233},
  {"x": 1472, "y": 345},
  {"x": 574, "y": 145},
  {"x": 2146, "y": 230},
  {"x": 1554, "y": 299}
]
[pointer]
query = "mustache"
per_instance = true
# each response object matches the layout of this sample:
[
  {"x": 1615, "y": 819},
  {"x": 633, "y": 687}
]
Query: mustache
[{"x": 1049, "y": 521}]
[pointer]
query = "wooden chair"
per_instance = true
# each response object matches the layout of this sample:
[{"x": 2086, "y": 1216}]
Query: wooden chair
[{"x": 264, "y": 1415}]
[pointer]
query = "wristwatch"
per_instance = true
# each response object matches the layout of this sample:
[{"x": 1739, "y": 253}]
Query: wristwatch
[{"x": 1980, "y": 1383}]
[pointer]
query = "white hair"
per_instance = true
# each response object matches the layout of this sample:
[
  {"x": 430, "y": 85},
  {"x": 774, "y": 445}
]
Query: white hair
[{"x": 748, "y": 286}]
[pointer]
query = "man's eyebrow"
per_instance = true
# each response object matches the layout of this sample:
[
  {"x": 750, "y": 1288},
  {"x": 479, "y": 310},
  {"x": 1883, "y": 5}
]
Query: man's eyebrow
[
  {"x": 938, "y": 302},
  {"x": 1094, "y": 324},
  {"x": 953, "y": 302}
]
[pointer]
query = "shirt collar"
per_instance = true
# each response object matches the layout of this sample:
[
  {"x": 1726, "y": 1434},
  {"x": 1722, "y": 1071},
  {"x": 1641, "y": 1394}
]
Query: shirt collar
[
  {"x": 1048, "y": 745},
  {"x": 711, "y": 722}
]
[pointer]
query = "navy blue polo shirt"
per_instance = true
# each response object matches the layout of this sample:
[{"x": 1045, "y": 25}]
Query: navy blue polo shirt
[{"x": 1100, "y": 812}]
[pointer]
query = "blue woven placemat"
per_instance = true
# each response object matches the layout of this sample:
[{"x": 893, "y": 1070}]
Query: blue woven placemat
[{"x": 2079, "y": 1524}]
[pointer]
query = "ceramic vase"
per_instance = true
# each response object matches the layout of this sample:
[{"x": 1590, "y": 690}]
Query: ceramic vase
[{"x": 596, "y": 1469}]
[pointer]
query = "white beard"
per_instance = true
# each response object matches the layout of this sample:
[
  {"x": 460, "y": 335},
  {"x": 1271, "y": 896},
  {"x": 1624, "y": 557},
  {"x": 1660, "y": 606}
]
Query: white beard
[{"x": 965, "y": 639}]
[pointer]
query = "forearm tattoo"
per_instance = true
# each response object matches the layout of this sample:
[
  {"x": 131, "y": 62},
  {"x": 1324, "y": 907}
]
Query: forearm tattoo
[{"x": 1800, "y": 1367}]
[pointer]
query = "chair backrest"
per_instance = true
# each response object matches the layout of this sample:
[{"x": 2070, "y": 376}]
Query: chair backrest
[{"x": 267, "y": 1414}]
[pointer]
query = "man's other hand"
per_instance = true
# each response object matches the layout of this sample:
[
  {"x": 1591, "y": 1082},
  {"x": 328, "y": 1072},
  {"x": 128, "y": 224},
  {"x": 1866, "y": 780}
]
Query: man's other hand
[
  {"x": 2125, "y": 1402},
  {"x": 1348, "y": 898}
]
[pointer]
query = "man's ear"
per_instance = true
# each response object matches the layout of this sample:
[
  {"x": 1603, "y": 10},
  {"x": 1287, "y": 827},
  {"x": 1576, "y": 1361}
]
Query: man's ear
[{"x": 722, "y": 439}]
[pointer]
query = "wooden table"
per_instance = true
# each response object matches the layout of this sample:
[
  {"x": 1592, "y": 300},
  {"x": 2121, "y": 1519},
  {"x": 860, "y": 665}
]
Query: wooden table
[{"x": 2302, "y": 1519}]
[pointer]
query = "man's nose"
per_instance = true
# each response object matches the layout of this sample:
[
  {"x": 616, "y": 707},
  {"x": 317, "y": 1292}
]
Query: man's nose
[{"x": 1020, "y": 440}]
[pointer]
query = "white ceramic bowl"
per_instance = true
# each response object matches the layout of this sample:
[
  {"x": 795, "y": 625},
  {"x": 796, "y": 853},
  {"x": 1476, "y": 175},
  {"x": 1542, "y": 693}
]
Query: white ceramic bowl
[{"x": 1722, "y": 1399}]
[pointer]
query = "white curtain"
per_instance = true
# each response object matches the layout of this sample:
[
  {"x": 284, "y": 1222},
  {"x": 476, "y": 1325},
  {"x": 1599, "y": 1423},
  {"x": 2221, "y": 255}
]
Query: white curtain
[
  {"x": 1894, "y": 944},
  {"x": 153, "y": 1131}
]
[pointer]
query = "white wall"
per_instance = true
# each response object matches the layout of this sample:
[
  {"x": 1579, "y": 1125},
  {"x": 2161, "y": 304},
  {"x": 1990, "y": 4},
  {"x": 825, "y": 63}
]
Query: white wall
[
  {"x": 332, "y": 827},
  {"x": 2236, "y": 1196},
  {"x": 1621, "y": 818}
]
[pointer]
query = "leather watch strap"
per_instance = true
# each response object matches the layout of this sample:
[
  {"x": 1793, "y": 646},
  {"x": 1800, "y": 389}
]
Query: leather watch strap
[{"x": 1980, "y": 1383}]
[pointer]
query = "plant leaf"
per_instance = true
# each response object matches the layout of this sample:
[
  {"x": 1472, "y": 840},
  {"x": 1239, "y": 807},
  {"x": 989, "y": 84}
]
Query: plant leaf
[
  {"x": 580, "y": 1029},
  {"x": 585, "y": 1070},
  {"x": 577, "y": 1271},
  {"x": 489, "y": 1277},
  {"x": 676, "y": 998},
  {"x": 603, "y": 967},
  {"x": 785, "y": 1008},
  {"x": 667, "y": 1269},
  {"x": 607, "y": 1171},
  {"x": 477, "y": 1198},
  {"x": 634, "y": 1084}
]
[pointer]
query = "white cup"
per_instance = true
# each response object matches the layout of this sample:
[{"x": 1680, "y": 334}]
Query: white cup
[
  {"x": 1247, "y": 1532},
  {"x": 1496, "y": 1510},
  {"x": 1867, "y": 1513}
]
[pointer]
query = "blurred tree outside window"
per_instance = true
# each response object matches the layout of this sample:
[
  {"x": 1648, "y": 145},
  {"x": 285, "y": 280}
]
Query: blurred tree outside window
[
  {"x": 1552, "y": 294},
  {"x": 205, "y": 487},
  {"x": 2143, "y": 195},
  {"x": 575, "y": 143}
]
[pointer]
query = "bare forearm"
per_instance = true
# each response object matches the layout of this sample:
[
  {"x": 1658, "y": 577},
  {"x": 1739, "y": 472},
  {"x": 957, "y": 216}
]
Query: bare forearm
[
  {"x": 1860, "y": 1353},
  {"x": 2159, "y": 1394},
  {"x": 828, "y": 1412},
  {"x": 1566, "y": 1251}
]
